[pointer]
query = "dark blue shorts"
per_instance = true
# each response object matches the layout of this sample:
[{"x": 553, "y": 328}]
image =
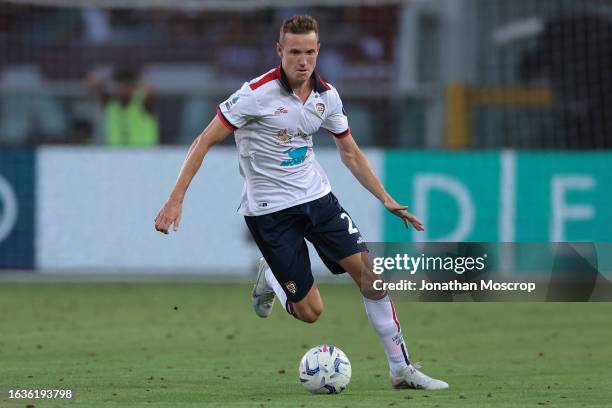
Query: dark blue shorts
[{"x": 280, "y": 238}]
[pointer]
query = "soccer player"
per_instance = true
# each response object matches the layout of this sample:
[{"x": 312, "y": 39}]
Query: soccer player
[{"x": 287, "y": 197}]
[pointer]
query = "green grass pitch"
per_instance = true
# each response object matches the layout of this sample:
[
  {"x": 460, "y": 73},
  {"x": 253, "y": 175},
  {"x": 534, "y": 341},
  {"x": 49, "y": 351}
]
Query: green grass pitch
[{"x": 200, "y": 345}]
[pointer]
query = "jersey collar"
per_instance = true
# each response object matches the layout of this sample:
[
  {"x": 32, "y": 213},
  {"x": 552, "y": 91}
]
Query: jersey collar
[{"x": 320, "y": 85}]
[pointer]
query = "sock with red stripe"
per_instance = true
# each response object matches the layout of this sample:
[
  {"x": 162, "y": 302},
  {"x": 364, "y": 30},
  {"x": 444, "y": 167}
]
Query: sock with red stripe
[
  {"x": 381, "y": 314},
  {"x": 278, "y": 290}
]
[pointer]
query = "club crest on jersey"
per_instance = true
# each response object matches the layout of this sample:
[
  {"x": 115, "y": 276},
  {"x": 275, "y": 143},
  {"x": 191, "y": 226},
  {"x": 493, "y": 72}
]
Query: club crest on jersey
[
  {"x": 320, "y": 108},
  {"x": 291, "y": 287},
  {"x": 283, "y": 136},
  {"x": 281, "y": 110}
]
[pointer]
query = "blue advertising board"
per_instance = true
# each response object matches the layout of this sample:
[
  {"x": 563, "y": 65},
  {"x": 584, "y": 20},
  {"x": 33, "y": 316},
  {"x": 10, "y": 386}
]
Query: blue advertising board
[{"x": 17, "y": 201}]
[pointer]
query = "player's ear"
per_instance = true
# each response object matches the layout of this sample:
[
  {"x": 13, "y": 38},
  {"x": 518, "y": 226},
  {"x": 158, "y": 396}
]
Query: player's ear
[{"x": 279, "y": 50}]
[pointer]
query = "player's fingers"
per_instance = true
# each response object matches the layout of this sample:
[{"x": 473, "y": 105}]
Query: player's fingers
[
  {"x": 415, "y": 219},
  {"x": 404, "y": 217},
  {"x": 410, "y": 219},
  {"x": 161, "y": 212},
  {"x": 177, "y": 222},
  {"x": 168, "y": 223},
  {"x": 164, "y": 225},
  {"x": 159, "y": 218},
  {"x": 418, "y": 225}
]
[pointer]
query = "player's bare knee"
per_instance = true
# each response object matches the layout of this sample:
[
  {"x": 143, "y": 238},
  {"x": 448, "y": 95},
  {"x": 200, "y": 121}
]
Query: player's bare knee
[
  {"x": 311, "y": 314},
  {"x": 310, "y": 318},
  {"x": 305, "y": 316},
  {"x": 317, "y": 309}
]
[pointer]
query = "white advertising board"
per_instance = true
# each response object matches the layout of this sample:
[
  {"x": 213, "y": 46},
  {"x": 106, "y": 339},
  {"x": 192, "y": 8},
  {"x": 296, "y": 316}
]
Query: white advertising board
[{"x": 96, "y": 208}]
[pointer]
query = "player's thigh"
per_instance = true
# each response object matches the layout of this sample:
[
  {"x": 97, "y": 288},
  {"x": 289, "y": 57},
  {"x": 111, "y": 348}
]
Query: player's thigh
[
  {"x": 333, "y": 232},
  {"x": 331, "y": 264},
  {"x": 280, "y": 238}
]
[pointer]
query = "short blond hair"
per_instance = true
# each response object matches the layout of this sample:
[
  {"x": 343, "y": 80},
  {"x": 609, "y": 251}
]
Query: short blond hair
[{"x": 299, "y": 24}]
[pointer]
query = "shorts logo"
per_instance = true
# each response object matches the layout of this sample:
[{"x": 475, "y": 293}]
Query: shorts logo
[
  {"x": 320, "y": 108},
  {"x": 280, "y": 110},
  {"x": 290, "y": 286}
]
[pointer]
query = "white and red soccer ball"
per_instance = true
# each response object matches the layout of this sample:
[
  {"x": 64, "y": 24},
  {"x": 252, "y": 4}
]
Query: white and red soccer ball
[{"x": 325, "y": 369}]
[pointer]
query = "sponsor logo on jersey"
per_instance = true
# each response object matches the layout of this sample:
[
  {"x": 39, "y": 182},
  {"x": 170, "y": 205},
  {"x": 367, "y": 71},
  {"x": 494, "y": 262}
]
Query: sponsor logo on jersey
[
  {"x": 291, "y": 287},
  {"x": 231, "y": 102},
  {"x": 297, "y": 154},
  {"x": 281, "y": 110},
  {"x": 283, "y": 136},
  {"x": 320, "y": 108}
]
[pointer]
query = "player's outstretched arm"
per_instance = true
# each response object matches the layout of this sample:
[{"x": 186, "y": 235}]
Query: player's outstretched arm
[
  {"x": 358, "y": 164},
  {"x": 170, "y": 214}
]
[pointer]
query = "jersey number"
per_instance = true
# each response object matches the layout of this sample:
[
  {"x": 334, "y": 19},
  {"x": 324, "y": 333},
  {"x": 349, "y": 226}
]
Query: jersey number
[{"x": 351, "y": 229}]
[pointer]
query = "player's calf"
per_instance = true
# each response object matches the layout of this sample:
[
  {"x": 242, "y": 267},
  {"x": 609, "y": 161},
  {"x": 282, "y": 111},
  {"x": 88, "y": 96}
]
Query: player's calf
[{"x": 359, "y": 267}]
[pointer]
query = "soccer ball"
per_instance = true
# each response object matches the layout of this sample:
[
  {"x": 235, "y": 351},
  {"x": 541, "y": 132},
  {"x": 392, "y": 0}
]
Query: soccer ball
[{"x": 325, "y": 369}]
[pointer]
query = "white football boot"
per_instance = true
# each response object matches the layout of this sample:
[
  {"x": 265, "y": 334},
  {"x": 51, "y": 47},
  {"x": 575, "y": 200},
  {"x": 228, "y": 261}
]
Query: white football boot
[
  {"x": 413, "y": 378},
  {"x": 263, "y": 295}
]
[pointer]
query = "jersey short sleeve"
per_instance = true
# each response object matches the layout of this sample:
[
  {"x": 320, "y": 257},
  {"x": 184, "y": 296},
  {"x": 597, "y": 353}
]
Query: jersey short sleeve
[
  {"x": 336, "y": 122},
  {"x": 239, "y": 108}
]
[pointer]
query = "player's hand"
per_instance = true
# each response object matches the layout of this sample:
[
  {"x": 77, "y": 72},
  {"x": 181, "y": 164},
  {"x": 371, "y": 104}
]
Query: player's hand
[
  {"x": 169, "y": 215},
  {"x": 401, "y": 211}
]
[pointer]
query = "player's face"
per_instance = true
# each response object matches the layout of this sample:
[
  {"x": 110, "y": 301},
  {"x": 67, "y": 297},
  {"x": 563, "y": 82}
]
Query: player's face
[
  {"x": 125, "y": 89},
  {"x": 298, "y": 53}
]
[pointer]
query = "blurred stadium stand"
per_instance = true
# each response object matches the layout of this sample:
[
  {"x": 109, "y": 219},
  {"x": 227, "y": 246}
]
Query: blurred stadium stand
[{"x": 413, "y": 73}]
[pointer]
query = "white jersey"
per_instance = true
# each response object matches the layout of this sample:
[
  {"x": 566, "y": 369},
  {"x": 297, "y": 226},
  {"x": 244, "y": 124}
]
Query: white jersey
[{"x": 273, "y": 131}]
